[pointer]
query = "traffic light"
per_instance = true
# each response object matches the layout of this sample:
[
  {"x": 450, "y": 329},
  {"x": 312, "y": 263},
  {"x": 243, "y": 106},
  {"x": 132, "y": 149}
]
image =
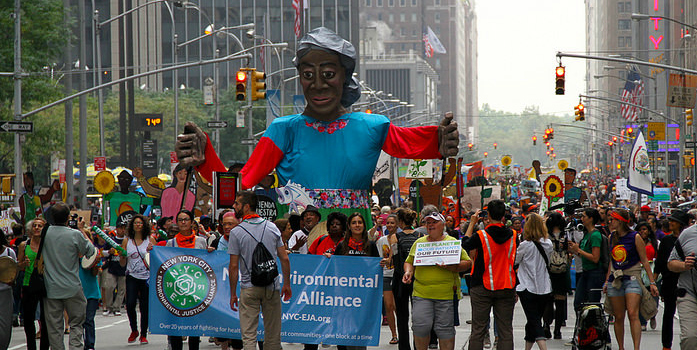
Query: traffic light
[
  {"x": 470, "y": 145},
  {"x": 257, "y": 83},
  {"x": 534, "y": 140},
  {"x": 610, "y": 143},
  {"x": 688, "y": 116},
  {"x": 550, "y": 132},
  {"x": 369, "y": 111},
  {"x": 495, "y": 145},
  {"x": 630, "y": 131},
  {"x": 580, "y": 112},
  {"x": 688, "y": 161},
  {"x": 560, "y": 72},
  {"x": 486, "y": 154},
  {"x": 241, "y": 88},
  {"x": 614, "y": 139}
]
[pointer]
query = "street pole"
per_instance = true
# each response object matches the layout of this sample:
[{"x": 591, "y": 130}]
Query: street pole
[
  {"x": 83, "y": 107},
  {"x": 68, "y": 112},
  {"x": 175, "y": 86},
  {"x": 100, "y": 93},
  {"x": 18, "y": 99}
]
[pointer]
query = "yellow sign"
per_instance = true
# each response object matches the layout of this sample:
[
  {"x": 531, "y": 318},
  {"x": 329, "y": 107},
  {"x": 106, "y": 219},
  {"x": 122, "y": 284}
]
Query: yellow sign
[{"x": 656, "y": 131}]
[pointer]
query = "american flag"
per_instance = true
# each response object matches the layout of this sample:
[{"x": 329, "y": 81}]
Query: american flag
[
  {"x": 633, "y": 93},
  {"x": 298, "y": 8}
]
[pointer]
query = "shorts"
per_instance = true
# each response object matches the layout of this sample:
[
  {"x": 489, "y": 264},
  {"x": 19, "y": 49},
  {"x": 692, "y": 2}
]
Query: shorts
[
  {"x": 432, "y": 313},
  {"x": 387, "y": 284},
  {"x": 630, "y": 285}
]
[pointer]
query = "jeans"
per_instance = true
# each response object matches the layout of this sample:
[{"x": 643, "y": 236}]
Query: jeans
[
  {"x": 137, "y": 291},
  {"x": 585, "y": 281},
  {"x": 91, "y": 309},
  {"x": 503, "y": 303},
  {"x": 29, "y": 306},
  {"x": 534, "y": 307}
]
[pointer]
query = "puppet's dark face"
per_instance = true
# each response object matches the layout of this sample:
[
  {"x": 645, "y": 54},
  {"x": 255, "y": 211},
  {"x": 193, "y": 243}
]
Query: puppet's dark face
[{"x": 322, "y": 78}]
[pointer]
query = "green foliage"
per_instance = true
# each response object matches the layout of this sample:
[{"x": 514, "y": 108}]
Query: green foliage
[{"x": 513, "y": 132}]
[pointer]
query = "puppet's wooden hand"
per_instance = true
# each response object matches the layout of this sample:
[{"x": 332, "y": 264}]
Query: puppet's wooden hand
[
  {"x": 191, "y": 145},
  {"x": 448, "y": 137}
]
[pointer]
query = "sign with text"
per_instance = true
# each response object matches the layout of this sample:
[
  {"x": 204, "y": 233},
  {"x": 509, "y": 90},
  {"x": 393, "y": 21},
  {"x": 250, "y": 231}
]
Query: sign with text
[
  {"x": 441, "y": 252},
  {"x": 99, "y": 164},
  {"x": 656, "y": 131},
  {"x": 420, "y": 169},
  {"x": 661, "y": 194},
  {"x": 333, "y": 302},
  {"x": 149, "y": 121},
  {"x": 682, "y": 89}
]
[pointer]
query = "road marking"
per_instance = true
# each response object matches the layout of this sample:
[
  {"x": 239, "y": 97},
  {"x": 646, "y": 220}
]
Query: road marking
[{"x": 110, "y": 325}]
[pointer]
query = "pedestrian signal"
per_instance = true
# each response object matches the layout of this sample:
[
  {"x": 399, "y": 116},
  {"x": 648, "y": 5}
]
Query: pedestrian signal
[{"x": 257, "y": 84}]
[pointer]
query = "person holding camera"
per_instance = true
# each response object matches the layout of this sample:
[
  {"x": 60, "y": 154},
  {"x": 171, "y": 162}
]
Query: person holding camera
[
  {"x": 588, "y": 249},
  {"x": 682, "y": 261},
  {"x": 63, "y": 246}
]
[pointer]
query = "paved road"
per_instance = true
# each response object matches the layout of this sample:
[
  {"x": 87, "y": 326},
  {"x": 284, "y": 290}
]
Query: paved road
[{"x": 113, "y": 331}]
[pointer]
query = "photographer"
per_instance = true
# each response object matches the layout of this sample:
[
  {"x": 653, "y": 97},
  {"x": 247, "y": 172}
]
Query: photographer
[
  {"x": 682, "y": 261},
  {"x": 61, "y": 251},
  {"x": 588, "y": 250}
]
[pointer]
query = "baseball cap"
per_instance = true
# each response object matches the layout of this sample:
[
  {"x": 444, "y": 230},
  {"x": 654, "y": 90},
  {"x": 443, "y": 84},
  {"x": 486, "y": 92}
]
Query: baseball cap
[{"x": 435, "y": 216}]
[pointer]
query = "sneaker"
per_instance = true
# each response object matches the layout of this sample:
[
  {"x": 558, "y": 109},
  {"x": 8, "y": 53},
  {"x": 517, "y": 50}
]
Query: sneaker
[
  {"x": 15, "y": 321},
  {"x": 653, "y": 323},
  {"x": 132, "y": 337},
  {"x": 643, "y": 328},
  {"x": 143, "y": 341},
  {"x": 569, "y": 343},
  {"x": 487, "y": 342},
  {"x": 557, "y": 335},
  {"x": 548, "y": 332},
  {"x": 117, "y": 313},
  {"x": 433, "y": 346},
  {"x": 496, "y": 342},
  {"x": 105, "y": 313},
  {"x": 384, "y": 321},
  {"x": 468, "y": 321}
]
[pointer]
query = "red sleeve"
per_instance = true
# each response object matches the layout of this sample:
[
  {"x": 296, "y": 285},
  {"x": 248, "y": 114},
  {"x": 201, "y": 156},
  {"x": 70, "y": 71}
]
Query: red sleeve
[
  {"x": 313, "y": 247},
  {"x": 264, "y": 159},
  {"x": 212, "y": 163},
  {"x": 419, "y": 142}
]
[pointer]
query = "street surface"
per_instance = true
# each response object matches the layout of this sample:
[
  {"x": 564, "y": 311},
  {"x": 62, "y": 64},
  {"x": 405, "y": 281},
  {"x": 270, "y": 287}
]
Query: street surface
[{"x": 113, "y": 331}]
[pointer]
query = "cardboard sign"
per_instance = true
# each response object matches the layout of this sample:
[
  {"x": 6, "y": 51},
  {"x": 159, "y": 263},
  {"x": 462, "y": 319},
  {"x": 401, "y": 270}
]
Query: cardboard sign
[{"x": 441, "y": 252}]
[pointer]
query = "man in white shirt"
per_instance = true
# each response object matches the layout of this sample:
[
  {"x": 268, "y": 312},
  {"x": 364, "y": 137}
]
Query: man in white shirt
[{"x": 309, "y": 219}]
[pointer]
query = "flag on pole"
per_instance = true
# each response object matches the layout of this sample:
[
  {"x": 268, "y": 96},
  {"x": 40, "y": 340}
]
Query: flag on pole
[
  {"x": 298, "y": 12},
  {"x": 431, "y": 43},
  {"x": 473, "y": 170},
  {"x": 633, "y": 93},
  {"x": 639, "y": 167}
]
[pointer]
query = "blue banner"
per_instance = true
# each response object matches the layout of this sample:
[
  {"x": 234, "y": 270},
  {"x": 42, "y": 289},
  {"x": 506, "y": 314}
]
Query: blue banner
[{"x": 335, "y": 300}]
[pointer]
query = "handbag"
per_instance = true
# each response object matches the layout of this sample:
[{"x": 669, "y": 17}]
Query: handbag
[{"x": 37, "y": 285}]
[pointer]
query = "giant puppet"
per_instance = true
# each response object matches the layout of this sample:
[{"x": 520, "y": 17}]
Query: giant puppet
[{"x": 326, "y": 155}]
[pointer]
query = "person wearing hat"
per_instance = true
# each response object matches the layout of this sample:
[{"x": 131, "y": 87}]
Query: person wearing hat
[
  {"x": 346, "y": 143},
  {"x": 309, "y": 219},
  {"x": 433, "y": 300},
  {"x": 644, "y": 212},
  {"x": 677, "y": 221}
]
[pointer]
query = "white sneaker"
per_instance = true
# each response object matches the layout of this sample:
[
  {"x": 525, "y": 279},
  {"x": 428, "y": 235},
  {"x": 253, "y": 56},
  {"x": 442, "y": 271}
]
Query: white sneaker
[
  {"x": 117, "y": 313},
  {"x": 105, "y": 313}
]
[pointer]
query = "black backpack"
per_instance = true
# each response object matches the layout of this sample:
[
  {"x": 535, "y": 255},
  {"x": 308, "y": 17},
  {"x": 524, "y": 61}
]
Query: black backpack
[
  {"x": 404, "y": 243},
  {"x": 264, "y": 269}
]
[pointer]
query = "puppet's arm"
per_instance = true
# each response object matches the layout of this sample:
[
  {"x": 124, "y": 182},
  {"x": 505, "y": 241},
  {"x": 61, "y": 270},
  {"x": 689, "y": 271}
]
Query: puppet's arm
[{"x": 412, "y": 143}]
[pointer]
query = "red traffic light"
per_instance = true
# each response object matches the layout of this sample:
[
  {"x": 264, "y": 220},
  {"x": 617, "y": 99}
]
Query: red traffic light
[
  {"x": 534, "y": 138},
  {"x": 486, "y": 154},
  {"x": 241, "y": 76},
  {"x": 495, "y": 145},
  {"x": 560, "y": 71},
  {"x": 614, "y": 139}
]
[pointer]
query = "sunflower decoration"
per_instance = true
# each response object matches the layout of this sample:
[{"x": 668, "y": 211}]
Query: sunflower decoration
[
  {"x": 506, "y": 160},
  {"x": 563, "y": 164},
  {"x": 104, "y": 182},
  {"x": 554, "y": 189}
]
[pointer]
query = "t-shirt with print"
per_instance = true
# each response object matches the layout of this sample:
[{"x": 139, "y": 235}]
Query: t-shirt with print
[
  {"x": 243, "y": 241},
  {"x": 433, "y": 282}
]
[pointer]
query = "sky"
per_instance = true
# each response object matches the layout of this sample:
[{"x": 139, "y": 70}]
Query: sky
[{"x": 518, "y": 42}]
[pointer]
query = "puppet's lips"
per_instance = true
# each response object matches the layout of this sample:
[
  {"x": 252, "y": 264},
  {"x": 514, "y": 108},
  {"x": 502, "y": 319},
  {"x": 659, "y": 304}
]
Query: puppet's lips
[{"x": 321, "y": 100}]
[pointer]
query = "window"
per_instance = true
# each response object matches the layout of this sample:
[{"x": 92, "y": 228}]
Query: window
[
  {"x": 379, "y": 16},
  {"x": 402, "y": 31},
  {"x": 402, "y": 3},
  {"x": 413, "y": 17},
  {"x": 378, "y": 3},
  {"x": 437, "y": 2},
  {"x": 413, "y": 3},
  {"x": 413, "y": 33},
  {"x": 402, "y": 17},
  {"x": 390, "y": 3},
  {"x": 620, "y": 41},
  {"x": 391, "y": 18},
  {"x": 437, "y": 63},
  {"x": 628, "y": 41},
  {"x": 367, "y": 3},
  {"x": 624, "y": 24},
  {"x": 620, "y": 7},
  {"x": 436, "y": 17}
]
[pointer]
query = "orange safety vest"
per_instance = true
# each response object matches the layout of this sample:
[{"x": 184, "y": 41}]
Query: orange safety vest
[{"x": 498, "y": 272}]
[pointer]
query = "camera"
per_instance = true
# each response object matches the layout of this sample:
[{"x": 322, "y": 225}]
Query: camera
[{"x": 72, "y": 223}]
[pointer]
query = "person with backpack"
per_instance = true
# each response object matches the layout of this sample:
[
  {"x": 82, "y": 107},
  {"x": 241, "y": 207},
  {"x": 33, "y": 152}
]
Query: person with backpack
[
  {"x": 624, "y": 286},
  {"x": 254, "y": 246},
  {"x": 590, "y": 281},
  {"x": 682, "y": 262},
  {"x": 559, "y": 275},
  {"x": 401, "y": 291},
  {"x": 535, "y": 287}
]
